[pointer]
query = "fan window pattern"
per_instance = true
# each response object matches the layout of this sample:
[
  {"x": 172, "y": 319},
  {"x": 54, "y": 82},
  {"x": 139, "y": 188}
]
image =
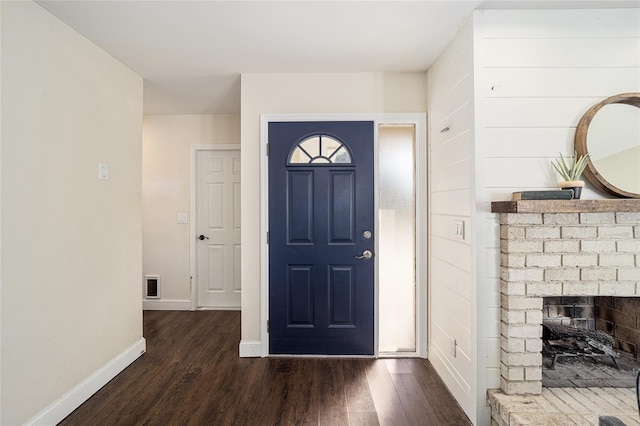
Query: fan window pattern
[{"x": 320, "y": 149}]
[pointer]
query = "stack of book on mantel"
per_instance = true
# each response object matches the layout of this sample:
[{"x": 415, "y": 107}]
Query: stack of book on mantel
[{"x": 551, "y": 194}]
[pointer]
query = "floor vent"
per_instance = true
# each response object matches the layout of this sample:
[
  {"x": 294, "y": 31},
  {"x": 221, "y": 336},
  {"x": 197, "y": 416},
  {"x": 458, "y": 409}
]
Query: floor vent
[{"x": 152, "y": 286}]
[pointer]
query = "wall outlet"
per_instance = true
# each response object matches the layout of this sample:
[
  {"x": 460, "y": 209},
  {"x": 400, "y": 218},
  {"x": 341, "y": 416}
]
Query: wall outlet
[
  {"x": 182, "y": 218},
  {"x": 452, "y": 346}
]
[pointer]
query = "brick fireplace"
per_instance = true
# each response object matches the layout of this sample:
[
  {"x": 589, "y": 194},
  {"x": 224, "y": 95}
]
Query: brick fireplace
[{"x": 556, "y": 249}]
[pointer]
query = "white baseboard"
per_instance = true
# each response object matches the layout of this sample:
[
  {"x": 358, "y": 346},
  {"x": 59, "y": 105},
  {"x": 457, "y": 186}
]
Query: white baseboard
[
  {"x": 166, "y": 305},
  {"x": 72, "y": 399},
  {"x": 250, "y": 348},
  {"x": 218, "y": 308}
]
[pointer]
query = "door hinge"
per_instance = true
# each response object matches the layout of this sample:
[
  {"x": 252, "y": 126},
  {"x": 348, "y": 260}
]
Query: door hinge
[
  {"x": 268, "y": 327},
  {"x": 267, "y": 237},
  {"x": 267, "y": 150}
]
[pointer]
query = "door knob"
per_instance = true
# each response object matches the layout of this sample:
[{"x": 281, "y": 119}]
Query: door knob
[
  {"x": 365, "y": 255},
  {"x": 202, "y": 237}
]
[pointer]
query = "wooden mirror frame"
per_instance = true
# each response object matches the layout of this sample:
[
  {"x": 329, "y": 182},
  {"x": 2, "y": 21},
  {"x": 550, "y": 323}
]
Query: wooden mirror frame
[{"x": 580, "y": 143}]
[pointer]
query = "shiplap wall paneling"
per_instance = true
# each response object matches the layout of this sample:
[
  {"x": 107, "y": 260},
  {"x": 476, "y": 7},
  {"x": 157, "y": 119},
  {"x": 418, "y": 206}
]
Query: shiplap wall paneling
[
  {"x": 452, "y": 301},
  {"x": 569, "y": 82}
]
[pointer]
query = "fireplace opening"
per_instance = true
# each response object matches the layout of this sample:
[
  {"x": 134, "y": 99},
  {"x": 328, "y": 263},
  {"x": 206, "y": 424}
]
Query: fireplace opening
[{"x": 590, "y": 341}]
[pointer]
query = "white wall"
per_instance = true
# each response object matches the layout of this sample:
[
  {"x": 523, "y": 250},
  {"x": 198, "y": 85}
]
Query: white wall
[
  {"x": 451, "y": 165},
  {"x": 537, "y": 73},
  {"x": 303, "y": 93},
  {"x": 165, "y": 192},
  {"x": 71, "y": 244}
]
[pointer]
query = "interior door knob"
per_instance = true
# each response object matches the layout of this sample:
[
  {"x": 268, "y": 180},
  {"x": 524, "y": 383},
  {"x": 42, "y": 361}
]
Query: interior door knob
[
  {"x": 365, "y": 255},
  {"x": 202, "y": 237}
]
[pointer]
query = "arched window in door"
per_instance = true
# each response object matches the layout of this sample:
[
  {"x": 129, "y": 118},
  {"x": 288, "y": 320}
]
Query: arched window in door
[{"x": 318, "y": 150}]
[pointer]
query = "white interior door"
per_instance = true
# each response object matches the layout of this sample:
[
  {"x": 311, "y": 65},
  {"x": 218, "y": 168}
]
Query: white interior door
[{"x": 218, "y": 228}]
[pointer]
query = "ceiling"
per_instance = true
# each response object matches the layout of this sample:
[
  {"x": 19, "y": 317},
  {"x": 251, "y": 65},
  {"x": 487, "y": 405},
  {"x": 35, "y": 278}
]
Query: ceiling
[{"x": 191, "y": 53}]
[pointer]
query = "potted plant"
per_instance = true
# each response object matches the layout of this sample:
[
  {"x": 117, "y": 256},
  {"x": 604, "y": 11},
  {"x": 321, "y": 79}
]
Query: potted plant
[{"x": 570, "y": 169}]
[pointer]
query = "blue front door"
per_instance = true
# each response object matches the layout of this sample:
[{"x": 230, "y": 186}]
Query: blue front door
[{"x": 321, "y": 275}]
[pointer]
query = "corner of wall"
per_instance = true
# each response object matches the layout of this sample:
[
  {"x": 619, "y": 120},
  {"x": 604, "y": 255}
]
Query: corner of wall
[
  {"x": 73, "y": 398},
  {"x": 452, "y": 201},
  {"x": 61, "y": 115},
  {"x": 1, "y": 34}
]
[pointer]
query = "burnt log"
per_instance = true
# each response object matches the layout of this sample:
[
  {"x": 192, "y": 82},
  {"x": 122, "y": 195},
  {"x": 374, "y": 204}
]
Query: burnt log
[
  {"x": 562, "y": 341},
  {"x": 560, "y": 332}
]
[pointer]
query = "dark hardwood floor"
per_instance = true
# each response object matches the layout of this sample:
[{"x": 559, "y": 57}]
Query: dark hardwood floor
[{"x": 192, "y": 375}]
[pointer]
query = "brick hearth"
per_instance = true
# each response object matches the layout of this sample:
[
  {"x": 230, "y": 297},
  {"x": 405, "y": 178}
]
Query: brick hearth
[{"x": 563, "y": 406}]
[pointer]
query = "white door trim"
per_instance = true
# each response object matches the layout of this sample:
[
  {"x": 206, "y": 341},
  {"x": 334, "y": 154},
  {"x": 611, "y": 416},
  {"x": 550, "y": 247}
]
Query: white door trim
[
  {"x": 193, "y": 271},
  {"x": 417, "y": 119}
]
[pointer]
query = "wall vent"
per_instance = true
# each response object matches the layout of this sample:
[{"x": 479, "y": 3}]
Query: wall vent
[{"x": 152, "y": 286}]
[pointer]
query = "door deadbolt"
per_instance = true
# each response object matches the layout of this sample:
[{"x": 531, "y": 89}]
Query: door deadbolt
[{"x": 366, "y": 235}]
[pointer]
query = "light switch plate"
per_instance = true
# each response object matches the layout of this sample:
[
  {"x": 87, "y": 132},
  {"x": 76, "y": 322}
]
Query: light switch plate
[
  {"x": 182, "y": 218},
  {"x": 103, "y": 171},
  {"x": 458, "y": 229}
]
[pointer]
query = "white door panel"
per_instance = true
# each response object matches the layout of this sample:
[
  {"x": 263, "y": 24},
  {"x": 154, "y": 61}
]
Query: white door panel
[
  {"x": 236, "y": 268},
  {"x": 218, "y": 220}
]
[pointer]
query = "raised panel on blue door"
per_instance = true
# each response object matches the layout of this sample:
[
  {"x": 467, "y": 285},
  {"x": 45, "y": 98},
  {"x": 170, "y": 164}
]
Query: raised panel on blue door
[
  {"x": 299, "y": 296},
  {"x": 341, "y": 296},
  {"x": 300, "y": 207},
  {"x": 341, "y": 207}
]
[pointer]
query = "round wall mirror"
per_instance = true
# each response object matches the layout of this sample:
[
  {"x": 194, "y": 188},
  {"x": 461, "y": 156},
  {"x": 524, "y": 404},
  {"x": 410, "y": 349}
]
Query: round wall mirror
[{"x": 610, "y": 132}]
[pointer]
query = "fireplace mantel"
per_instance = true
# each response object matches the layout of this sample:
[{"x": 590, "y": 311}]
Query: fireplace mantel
[{"x": 566, "y": 206}]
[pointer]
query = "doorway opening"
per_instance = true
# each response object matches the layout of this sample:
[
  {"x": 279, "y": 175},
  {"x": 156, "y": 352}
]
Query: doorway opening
[
  {"x": 215, "y": 227},
  {"x": 401, "y": 224}
]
